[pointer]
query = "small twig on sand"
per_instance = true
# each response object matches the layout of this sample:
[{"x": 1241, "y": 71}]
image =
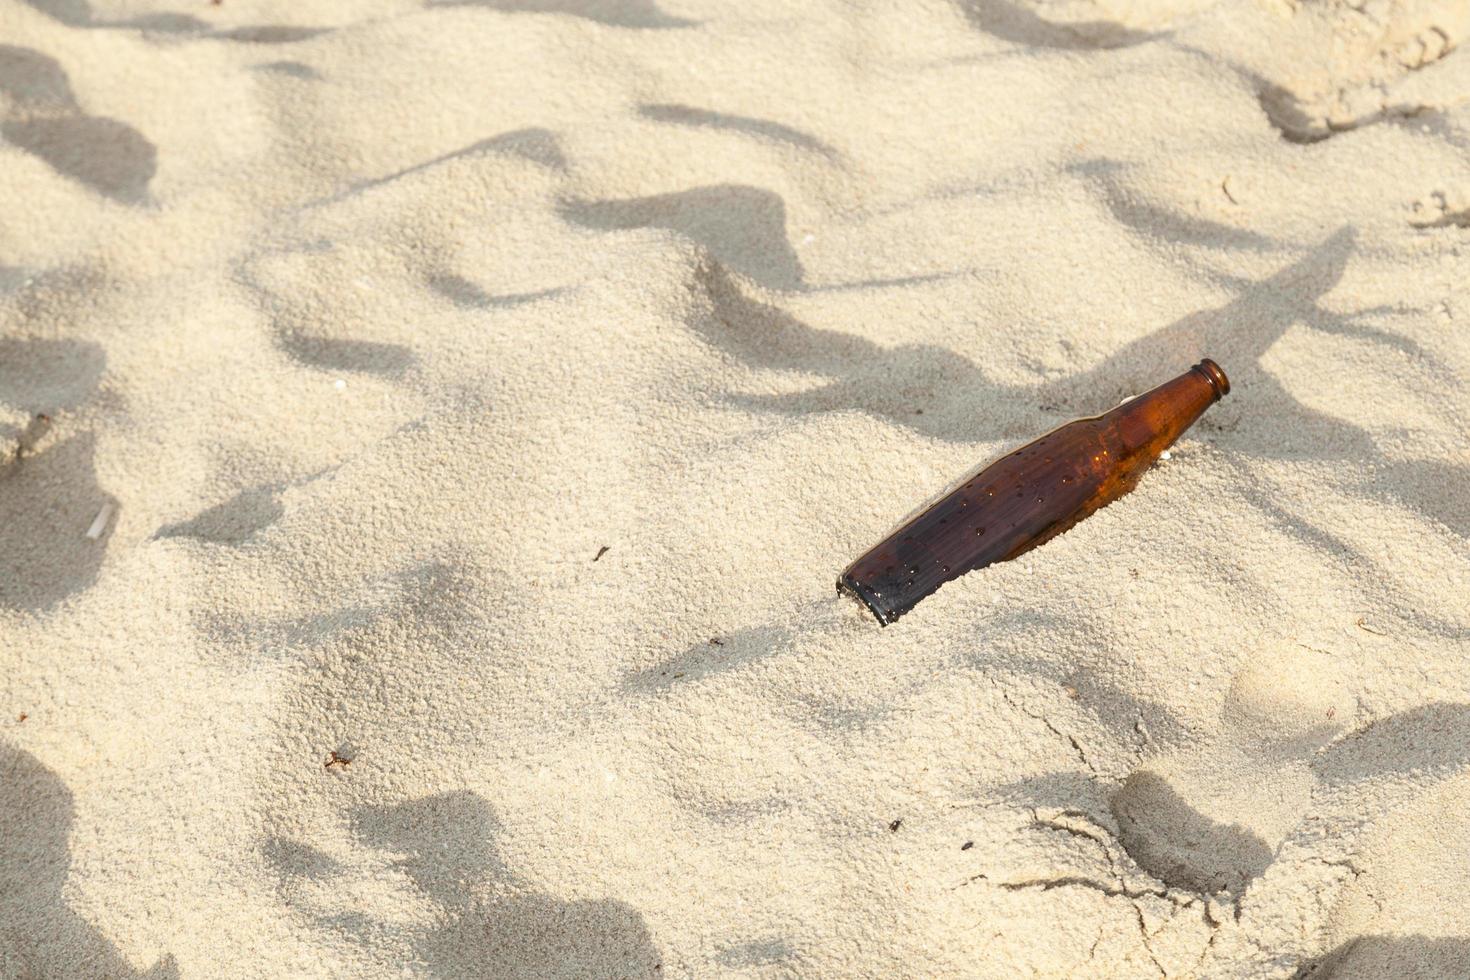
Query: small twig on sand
[
  {"x": 600, "y": 552},
  {"x": 1225, "y": 186},
  {"x": 1359, "y": 622},
  {"x": 25, "y": 441}
]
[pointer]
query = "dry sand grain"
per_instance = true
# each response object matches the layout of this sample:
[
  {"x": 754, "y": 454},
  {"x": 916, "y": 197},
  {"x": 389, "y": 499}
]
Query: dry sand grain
[{"x": 363, "y": 329}]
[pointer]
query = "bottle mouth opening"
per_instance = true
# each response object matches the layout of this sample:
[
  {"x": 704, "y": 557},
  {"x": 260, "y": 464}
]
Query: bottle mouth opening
[
  {"x": 851, "y": 587},
  {"x": 1214, "y": 376}
]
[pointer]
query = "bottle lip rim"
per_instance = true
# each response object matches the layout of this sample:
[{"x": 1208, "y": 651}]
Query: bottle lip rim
[
  {"x": 850, "y": 586},
  {"x": 1215, "y": 376}
]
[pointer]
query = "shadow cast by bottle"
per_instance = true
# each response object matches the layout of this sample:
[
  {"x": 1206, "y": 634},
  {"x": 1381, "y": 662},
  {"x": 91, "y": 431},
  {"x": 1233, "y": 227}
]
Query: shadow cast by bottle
[
  {"x": 106, "y": 155},
  {"x": 638, "y": 14},
  {"x": 489, "y": 922},
  {"x": 939, "y": 393},
  {"x": 1237, "y": 334},
  {"x": 40, "y": 935}
]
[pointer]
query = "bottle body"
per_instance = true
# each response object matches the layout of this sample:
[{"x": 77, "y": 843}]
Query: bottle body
[{"x": 1030, "y": 495}]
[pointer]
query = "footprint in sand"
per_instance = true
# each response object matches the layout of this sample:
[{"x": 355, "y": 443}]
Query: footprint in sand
[
  {"x": 58, "y": 520},
  {"x": 40, "y": 933},
  {"x": 1210, "y": 818},
  {"x": 39, "y": 114},
  {"x": 1400, "y": 914},
  {"x": 293, "y": 285},
  {"x": 490, "y": 921},
  {"x": 1376, "y": 77}
]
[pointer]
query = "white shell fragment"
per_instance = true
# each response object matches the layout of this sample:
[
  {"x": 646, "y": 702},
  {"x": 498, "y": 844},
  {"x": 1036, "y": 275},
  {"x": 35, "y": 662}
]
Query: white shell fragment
[{"x": 99, "y": 523}]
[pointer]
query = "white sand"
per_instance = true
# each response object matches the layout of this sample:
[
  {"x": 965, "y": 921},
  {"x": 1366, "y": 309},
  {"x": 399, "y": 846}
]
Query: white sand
[{"x": 364, "y": 326}]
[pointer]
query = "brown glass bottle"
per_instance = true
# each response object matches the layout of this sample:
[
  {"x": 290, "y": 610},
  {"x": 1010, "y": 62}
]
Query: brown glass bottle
[{"x": 1030, "y": 495}]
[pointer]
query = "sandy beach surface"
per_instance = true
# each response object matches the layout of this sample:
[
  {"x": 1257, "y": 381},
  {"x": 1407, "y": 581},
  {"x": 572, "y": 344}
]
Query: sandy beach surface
[{"x": 456, "y": 415}]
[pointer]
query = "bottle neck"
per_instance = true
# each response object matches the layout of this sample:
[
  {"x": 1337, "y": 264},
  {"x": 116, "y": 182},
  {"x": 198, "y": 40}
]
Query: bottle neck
[
  {"x": 1216, "y": 377},
  {"x": 1149, "y": 424}
]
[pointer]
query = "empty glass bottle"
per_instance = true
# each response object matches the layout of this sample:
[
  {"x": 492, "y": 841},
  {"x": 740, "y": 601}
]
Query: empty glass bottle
[{"x": 1030, "y": 495}]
